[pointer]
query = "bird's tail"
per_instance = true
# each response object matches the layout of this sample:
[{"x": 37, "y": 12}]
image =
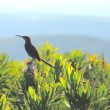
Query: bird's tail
[{"x": 46, "y": 62}]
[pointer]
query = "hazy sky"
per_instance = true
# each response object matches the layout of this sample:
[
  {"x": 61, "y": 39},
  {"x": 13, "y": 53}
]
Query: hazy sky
[
  {"x": 82, "y": 17},
  {"x": 75, "y": 7}
]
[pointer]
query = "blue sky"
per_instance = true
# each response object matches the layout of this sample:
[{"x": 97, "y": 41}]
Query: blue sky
[
  {"x": 75, "y": 7},
  {"x": 32, "y": 17},
  {"x": 88, "y": 18}
]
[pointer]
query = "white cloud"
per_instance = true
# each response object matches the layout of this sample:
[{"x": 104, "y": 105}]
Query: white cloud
[{"x": 84, "y": 7}]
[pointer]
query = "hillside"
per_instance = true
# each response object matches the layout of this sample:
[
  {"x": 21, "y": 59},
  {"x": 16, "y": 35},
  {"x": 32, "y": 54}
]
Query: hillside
[{"x": 13, "y": 46}]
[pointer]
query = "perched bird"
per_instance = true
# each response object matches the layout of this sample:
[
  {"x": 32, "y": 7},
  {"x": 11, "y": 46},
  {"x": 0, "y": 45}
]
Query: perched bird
[{"x": 31, "y": 50}]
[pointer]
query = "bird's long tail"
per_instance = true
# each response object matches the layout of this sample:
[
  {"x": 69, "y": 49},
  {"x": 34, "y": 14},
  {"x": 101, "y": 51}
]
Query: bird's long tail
[{"x": 46, "y": 62}]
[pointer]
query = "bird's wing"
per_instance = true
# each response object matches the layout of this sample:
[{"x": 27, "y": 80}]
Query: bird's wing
[{"x": 32, "y": 52}]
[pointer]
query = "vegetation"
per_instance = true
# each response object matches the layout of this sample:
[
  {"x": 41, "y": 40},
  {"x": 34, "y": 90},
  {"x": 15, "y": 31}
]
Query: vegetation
[{"x": 78, "y": 81}]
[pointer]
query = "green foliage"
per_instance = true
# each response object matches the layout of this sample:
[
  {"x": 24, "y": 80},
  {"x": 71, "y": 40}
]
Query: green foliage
[
  {"x": 4, "y": 104},
  {"x": 78, "y": 81}
]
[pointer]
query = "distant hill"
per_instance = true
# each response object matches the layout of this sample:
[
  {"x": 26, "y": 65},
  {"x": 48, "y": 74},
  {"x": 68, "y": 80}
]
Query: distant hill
[{"x": 14, "y": 46}]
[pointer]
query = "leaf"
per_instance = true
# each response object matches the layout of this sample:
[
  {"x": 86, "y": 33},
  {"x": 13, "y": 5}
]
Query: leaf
[
  {"x": 63, "y": 82},
  {"x": 32, "y": 93}
]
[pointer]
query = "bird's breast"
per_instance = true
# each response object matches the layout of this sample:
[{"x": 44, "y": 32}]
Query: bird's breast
[
  {"x": 28, "y": 49},
  {"x": 31, "y": 51}
]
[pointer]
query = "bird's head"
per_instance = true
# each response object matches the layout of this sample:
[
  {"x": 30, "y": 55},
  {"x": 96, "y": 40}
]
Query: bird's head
[{"x": 26, "y": 38}]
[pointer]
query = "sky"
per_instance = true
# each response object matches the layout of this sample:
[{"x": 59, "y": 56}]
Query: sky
[
  {"x": 83, "y": 17},
  {"x": 74, "y": 7},
  {"x": 89, "y": 18}
]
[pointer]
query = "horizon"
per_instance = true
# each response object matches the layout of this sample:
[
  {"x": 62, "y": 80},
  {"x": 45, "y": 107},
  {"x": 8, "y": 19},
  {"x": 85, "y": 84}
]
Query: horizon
[
  {"x": 76, "y": 25},
  {"x": 14, "y": 46}
]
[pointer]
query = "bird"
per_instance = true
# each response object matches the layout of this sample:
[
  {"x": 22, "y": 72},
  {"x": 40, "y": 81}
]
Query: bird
[{"x": 32, "y": 51}]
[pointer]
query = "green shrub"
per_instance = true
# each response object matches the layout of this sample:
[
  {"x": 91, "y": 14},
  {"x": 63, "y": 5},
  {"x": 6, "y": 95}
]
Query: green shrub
[{"x": 78, "y": 81}]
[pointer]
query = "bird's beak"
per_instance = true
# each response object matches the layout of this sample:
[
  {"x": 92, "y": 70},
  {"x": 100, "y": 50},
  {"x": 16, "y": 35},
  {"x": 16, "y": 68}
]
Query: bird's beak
[{"x": 20, "y": 36}]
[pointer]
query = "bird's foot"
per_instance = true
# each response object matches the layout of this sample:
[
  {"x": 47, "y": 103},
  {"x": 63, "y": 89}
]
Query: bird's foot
[{"x": 28, "y": 63}]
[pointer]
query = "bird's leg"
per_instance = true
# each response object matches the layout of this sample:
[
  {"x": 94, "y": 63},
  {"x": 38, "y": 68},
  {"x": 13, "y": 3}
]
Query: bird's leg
[{"x": 31, "y": 61}]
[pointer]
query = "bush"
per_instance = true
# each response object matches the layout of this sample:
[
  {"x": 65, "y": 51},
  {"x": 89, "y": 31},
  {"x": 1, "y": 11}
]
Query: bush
[{"x": 78, "y": 81}]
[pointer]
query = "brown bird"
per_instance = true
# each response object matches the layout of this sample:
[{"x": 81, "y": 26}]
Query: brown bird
[{"x": 31, "y": 50}]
